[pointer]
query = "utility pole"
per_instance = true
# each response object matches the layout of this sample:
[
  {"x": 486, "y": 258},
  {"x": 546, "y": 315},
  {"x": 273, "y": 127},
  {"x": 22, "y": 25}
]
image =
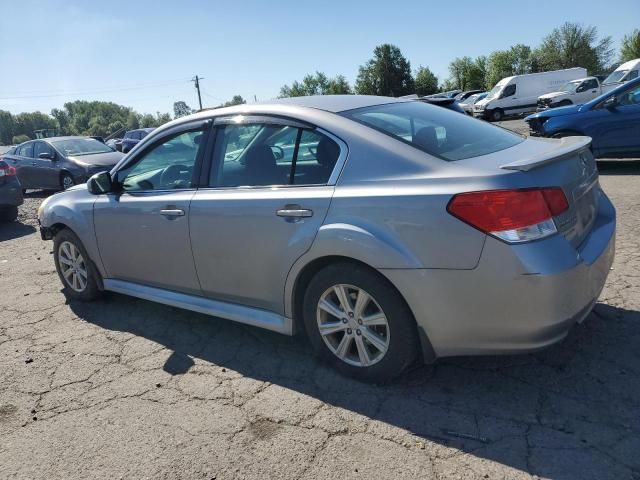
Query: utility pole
[{"x": 196, "y": 80}]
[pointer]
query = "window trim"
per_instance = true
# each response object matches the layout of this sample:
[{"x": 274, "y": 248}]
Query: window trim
[
  {"x": 151, "y": 141},
  {"x": 270, "y": 120}
]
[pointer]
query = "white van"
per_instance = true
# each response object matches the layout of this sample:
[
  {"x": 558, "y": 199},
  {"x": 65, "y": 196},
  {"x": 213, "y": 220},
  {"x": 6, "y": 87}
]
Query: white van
[
  {"x": 519, "y": 94},
  {"x": 625, "y": 72}
]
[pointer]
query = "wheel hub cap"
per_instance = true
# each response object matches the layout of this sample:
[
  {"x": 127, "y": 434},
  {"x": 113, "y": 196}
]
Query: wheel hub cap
[
  {"x": 353, "y": 325},
  {"x": 72, "y": 266}
]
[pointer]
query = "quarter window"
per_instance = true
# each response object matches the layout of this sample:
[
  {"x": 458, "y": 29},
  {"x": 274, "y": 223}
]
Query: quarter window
[
  {"x": 263, "y": 155},
  {"x": 167, "y": 166}
]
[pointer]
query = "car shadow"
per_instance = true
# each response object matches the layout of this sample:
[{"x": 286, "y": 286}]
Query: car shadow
[
  {"x": 13, "y": 230},
  {"x": 619, "y": 167},
  {"x": 510, "y": 409}
]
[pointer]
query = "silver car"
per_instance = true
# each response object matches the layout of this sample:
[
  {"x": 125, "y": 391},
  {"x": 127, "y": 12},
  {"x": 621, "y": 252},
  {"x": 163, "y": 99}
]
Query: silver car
[{"x": 390, "y": 231}]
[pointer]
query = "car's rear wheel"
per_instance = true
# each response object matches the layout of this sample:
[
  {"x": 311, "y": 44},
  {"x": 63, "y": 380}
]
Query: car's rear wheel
[
  {"x": 66, "y": 181},
  {"x": 8, "y": 214},
  {"x": 356, "y": 320},
  {"x": 77, "y": 274}
]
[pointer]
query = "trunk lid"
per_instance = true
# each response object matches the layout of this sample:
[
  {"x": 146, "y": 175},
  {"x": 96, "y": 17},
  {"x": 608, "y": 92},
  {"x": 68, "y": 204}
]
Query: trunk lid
[{"x": 567, "y": 163}]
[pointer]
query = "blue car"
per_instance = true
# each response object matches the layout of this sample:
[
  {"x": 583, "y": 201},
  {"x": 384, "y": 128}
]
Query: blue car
[
  {"x": 133, "y": 137},
  {"x": 612, "y": 121}
]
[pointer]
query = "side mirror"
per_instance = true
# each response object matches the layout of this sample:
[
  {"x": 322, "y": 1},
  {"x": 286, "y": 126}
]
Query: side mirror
[
  {"x": 47, "y": 156},
  {"x": 100, "y": 183},
  {"x": 610, "y": 103}
]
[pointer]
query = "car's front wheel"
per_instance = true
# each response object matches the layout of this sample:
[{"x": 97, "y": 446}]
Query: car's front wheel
[
  {"x": 66, "y": 181},
  {"x": 77, "y": 274},
  {"x": 357, "y": 321}
]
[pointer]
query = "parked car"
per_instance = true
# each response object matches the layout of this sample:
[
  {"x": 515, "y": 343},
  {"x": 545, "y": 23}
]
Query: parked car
[
  {"x": 467, "y": 105},
  {"x": 132, "y": 138},
  {"x": 58, "y": 163},
  {"x": 574, "y": 92},
  {"x": 10, "y": 193},
  {"x": 445, "y": 102},
  {"x": 115, "y": 139},
  {"x": 449, "y": 103},
  {"x": 462, "y": 96},
  {"x": 390, "y": 231},
  {"x": 626, "y": 72},
  {"x": 519, "y": 94},
  {"x": 612, "y": 121}
]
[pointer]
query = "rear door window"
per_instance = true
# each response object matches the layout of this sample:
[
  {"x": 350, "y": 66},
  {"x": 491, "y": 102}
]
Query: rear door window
[
  {"x": 26, "y": 150},
  {"x": 435, "y": 130},
  {"x": 259, "y": 155}
]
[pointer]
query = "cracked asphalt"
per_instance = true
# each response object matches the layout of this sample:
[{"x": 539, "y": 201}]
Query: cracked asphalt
[{"x": 124, "y": 388}]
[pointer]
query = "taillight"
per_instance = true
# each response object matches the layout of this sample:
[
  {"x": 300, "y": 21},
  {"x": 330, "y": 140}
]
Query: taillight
[
  {"x": 511, "y": 215},
  {"x": 7, "y": 171}
]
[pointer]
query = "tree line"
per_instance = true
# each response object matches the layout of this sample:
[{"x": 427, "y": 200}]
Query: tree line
[{"x": 389, "y": 73}]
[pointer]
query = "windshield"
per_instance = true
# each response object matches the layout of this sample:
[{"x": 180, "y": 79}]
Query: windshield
[
  {"x": 570, "y": 87},
  {"x": 435, "y": 130},
  {"x": 616, "y": 76},
  {"x": 81, "y": 146},
  {"x": 494, "y": 91}
]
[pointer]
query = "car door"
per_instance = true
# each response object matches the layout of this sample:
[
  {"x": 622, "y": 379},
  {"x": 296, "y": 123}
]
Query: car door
[
  {"x": 23, "y": 162},
  {"x": 143, "y": 229},
  {"x": 586, "y": 91},
  {"x": 265, "y": 196},
  {"x": 618, "y": 131},
  {"x": 46, "y": 171}
]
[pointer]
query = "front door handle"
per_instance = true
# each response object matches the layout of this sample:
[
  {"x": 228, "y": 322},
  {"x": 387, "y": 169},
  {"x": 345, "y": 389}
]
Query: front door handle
[
  {"x": 34, "y": 164},
  {"x": 294, "y": 212},
  {"x": 172, "y": 212}
]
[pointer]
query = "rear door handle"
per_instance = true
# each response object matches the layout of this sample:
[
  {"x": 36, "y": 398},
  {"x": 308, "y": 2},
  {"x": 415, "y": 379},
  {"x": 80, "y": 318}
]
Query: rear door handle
[
  {"x": 172, "y": 212},
  {"x": 294, "y": 212}
]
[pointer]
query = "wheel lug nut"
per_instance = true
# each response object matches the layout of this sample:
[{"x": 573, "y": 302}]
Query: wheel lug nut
[
  {"x": 344, "y": 320},
  {"x": 358, "y": 332},
  {"x": 349, "y": 331},
  {"x": 351, "y": 314},
  {"x": 359, "y": 321}
]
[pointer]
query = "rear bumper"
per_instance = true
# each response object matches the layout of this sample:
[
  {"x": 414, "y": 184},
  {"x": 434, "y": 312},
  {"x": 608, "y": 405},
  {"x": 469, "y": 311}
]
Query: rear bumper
[
  {"x": 11, "y": 195},
  {"x": 519, "y": 298}
]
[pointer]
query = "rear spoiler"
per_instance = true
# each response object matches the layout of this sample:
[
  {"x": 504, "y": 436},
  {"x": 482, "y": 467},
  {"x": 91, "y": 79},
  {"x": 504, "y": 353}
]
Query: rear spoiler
[{"x": 565, "y": 147}]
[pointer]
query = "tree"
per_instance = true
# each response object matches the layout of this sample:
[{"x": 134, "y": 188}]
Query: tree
[
  {"x": 505, "y": 63},
  {"x": 574, "y": 45},
  {"x": 387, "y": 73},
  {"x": 317, "y": 84},
  {"x": 236, "y": 100},
  {"x": 181, "y": 109},
  {"x": 6, "y": 127},
  {"x": 426, "y": 81},
  {"x": 18, "y": 139},
  {"x": 468, "y": 74},
  {"x": 630, "y": 49}
]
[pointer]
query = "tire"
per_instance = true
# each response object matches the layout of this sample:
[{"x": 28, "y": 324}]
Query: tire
[
  {"x": 66, "y": 181},
  {"x": 65, "y": 245},
  {"x": 496, "y": 115},
  {"x": 397, "y": 340},
  {"x": 8, "y": 214}
]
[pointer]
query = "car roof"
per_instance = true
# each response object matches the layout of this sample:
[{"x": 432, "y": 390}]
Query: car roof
[{"x": 335, "y": 103}]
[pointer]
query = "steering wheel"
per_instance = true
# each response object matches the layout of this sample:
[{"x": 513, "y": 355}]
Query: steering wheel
[{"x": 173, "y": 175}]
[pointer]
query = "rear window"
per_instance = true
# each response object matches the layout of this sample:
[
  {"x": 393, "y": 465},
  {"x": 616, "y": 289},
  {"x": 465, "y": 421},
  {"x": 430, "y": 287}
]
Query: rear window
[{"x": 435, "y": 130}]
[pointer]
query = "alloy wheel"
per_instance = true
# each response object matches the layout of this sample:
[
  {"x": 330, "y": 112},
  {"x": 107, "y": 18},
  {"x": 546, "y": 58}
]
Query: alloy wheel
[
  {"x": 73, "y": 266},
  {"x": 353, "y": 325},
  {"x": 67, "y": 182}
]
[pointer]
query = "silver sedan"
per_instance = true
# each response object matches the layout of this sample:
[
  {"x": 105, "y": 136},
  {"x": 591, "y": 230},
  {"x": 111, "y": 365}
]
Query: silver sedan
[{"x": 389, "y": 231}]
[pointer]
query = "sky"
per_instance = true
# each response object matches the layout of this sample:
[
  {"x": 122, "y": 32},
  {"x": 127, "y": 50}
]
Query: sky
[{"x": 143, "y": 54}]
